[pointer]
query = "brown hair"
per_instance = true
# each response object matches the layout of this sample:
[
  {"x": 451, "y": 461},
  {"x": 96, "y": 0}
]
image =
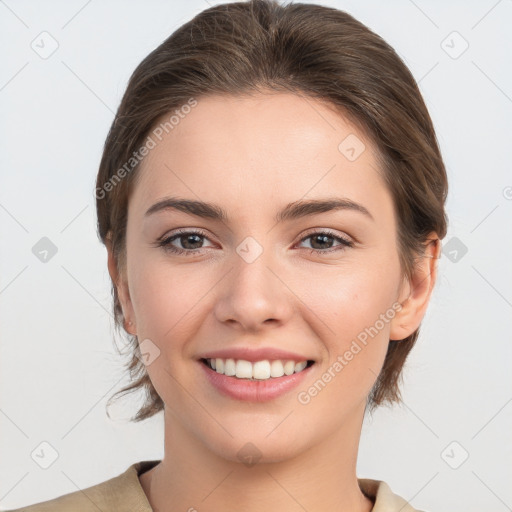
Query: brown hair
[{"x": 316, "y": 51}]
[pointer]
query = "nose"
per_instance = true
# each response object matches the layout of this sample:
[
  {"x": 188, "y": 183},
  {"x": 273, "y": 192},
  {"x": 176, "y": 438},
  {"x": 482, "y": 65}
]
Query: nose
[{"x": 254, "y": 296}]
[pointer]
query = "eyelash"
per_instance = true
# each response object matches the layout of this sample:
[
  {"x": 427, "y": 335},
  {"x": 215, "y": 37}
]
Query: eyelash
[{"x": 166, "y": 242}]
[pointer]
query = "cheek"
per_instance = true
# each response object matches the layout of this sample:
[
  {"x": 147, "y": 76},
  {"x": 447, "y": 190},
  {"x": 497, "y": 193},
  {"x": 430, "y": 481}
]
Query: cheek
[
  {"x": 352, "y": 308},
  {"x": 350, "y": 299},
  {"x": 165, "y": 297}
]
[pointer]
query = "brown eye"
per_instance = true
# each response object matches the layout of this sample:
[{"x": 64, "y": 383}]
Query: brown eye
[
  {"x": 322, "y": 242},
  {"x": 190, "y": 241}
]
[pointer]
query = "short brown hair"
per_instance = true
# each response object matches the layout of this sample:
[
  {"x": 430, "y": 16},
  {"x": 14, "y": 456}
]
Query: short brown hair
[{"x": 316, "y": 51}]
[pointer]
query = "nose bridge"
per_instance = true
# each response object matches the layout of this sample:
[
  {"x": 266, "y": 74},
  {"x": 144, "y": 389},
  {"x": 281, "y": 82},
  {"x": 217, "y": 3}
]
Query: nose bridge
[{"x": 253, "y": 294}]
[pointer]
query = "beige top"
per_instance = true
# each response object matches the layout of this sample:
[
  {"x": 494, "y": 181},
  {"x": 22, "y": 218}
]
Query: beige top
[{"x": 124, "y": 493}]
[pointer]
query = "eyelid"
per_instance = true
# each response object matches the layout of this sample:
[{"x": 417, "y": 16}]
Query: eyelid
[
  {"x": 183, "y": 231},
  {"x": 327, "y": 231},
  {"x": 166, "y": 240}
]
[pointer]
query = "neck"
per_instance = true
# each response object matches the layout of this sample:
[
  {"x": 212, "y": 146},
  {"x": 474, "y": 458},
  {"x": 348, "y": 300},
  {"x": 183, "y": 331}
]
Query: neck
[{"x": 191, "y": 476}]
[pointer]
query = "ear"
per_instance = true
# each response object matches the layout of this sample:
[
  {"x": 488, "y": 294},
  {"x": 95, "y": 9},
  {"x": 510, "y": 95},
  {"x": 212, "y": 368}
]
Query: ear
[
  {"x": 415, "y": 295},
  {"x": 119, "y": 280}
]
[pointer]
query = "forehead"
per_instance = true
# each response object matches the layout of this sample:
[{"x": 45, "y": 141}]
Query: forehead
[{"x": 259, "y": 149}]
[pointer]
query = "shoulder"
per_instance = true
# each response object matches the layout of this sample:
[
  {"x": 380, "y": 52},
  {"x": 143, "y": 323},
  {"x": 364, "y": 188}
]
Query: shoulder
[
  {"x": 385, "y": 500},
  {"x": 122, "y": 492}
]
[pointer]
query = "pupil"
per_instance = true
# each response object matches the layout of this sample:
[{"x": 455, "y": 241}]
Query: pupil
[
  {"x": 321, "y": 237},
  {"x": 190, "y": 238}
]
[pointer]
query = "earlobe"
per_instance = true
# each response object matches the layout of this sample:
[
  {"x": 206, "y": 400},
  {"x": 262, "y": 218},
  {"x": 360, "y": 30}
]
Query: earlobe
[
  {"x": 129, "y": 327},
  {"x": 415, "y": 302}
]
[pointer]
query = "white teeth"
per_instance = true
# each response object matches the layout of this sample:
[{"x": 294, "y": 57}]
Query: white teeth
[
  {"x": 230, "y": 367},
  {"x": 219, "y": 365},
  {"x": 276, "y": 369},
  {"x": 259, "y": 370},
  {"x": 289, "y": 367},
  {"x": 243, "y": 369},
  {"x": 300, "y": 366}
]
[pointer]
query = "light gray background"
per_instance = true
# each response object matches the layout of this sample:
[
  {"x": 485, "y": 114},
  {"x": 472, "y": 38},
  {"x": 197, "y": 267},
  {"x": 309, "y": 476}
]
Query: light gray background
[{"x": 58, "y": 365}]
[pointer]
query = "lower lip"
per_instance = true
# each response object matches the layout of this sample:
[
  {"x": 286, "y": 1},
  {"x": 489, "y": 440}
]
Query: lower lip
[{"x": 254, "y": 390}]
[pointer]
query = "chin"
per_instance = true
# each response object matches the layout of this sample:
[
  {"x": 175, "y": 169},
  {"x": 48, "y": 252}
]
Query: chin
[{"x": 257, "y": 446}]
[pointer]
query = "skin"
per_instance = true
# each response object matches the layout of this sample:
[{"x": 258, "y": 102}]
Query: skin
[{"x": 188, "y": 305}]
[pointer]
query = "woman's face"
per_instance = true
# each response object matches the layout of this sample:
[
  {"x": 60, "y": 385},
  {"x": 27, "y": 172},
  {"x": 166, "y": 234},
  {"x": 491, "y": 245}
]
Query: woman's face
[{"x": 251, "y": 281}]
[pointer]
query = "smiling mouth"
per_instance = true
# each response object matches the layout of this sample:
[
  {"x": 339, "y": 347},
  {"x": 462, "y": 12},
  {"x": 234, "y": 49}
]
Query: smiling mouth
[{"x": 258, "y": 370}]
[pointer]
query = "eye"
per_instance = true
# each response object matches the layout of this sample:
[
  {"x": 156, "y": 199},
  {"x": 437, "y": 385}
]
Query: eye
[
  {"x": 323, "y": 242},
  {"x": 190, "y": 241}
]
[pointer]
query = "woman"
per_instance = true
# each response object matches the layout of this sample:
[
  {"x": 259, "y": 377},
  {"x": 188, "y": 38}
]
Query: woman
[{"x": 271, "y": 196}]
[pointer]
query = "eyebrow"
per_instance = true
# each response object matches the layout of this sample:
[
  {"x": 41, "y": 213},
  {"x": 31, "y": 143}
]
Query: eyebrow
[{"x": 291, "y": 211}]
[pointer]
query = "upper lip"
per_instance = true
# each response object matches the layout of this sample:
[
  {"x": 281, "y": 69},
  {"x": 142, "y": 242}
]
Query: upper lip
[{"x": 255, "y": 354}]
